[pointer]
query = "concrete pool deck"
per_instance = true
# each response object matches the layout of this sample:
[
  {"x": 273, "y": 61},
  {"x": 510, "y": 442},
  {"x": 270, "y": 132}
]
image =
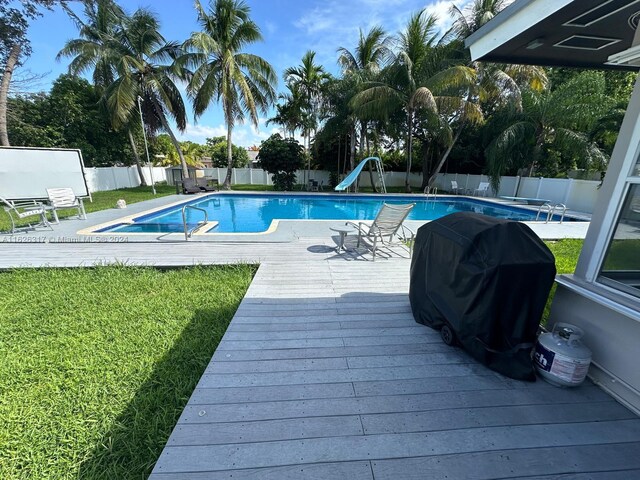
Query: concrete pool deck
[{"x": 73, "y": 230}]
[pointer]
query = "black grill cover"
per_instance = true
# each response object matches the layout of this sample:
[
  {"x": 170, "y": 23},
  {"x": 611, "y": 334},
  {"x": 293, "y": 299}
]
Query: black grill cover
[{"x": 487, "y": 278}]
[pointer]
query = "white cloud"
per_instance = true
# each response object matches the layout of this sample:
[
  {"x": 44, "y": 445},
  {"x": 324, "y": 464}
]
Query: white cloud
[
  {"x": 440, "y": 10},
  {"x": 317, "y": 20},
  {"x": 242, "y": 135},
  {"x": 270, "y": 27},
  {"x": 198, "y": 133}
]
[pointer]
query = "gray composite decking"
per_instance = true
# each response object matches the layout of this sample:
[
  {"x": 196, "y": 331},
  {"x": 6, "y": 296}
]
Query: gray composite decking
[{"x": 323, "y": 374}]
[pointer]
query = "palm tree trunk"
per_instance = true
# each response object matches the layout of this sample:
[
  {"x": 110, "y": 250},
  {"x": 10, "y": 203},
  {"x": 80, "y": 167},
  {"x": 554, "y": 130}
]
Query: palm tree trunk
[
  {"x": 174, "y": 140},
  {"x": 409, "y": 149},
  {"x": 425, "y": 166},
  {"x": 143, "y": 182},
  {"x": 363, "y": 142},
  {"x": 339, "y": 148},
  {"x": 344, "y": 163},
  {"x": 352, "y": 153},
  {"x": 433, "y": 176},
  {"x": 308, "y": 156},
  {"x": 536, "y": 151},
  {"x": 12, "y": 60},
  {"x": 227, "y": 179}
]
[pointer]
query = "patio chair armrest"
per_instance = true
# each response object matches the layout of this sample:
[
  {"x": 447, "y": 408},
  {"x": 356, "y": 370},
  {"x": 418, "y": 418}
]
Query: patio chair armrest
[
  {"x": 356, "y": 225},
  {"x": 406, "y": 230},
  {"x": 352, "y": 224}
]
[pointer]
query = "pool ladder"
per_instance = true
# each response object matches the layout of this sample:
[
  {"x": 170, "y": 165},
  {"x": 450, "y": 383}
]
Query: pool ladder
[
  {"x": 550, "y": 210},
  {"x": 187, "y": 232},
  {"x": 431, "y": 192}
]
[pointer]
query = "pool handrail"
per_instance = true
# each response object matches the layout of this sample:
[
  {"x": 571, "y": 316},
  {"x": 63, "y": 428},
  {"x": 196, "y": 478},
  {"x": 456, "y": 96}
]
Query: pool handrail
[{"x": 187, "y": 232}]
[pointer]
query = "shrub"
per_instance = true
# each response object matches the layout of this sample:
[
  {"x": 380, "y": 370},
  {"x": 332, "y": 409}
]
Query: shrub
[{"x": 281, "y": 158}]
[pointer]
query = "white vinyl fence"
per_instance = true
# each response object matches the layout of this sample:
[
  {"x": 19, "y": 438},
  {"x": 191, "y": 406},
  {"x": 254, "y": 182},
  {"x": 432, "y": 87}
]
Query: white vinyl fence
[
  {"x": 579, "y": 195},
  {"x": 111, "y": 178},
  {"x": 257, "y": 176}
]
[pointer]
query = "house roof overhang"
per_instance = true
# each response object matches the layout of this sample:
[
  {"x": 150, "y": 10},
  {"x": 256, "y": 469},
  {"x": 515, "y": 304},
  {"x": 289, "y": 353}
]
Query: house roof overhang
[{"x": 574, "y": 33}]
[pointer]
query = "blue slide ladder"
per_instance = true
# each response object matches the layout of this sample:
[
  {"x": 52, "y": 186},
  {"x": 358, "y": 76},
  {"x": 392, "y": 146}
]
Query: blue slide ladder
[{"x": 353, "y": 175}]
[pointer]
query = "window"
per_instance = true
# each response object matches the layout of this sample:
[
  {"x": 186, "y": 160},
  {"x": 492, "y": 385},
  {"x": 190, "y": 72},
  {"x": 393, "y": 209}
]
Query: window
[
  {"x": 636, "y": 169},
  {"x": 621, "y": 266}
]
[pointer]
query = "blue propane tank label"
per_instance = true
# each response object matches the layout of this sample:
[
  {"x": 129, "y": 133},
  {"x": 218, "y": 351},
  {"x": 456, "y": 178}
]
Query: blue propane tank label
[{"x": 543, "y": 357}]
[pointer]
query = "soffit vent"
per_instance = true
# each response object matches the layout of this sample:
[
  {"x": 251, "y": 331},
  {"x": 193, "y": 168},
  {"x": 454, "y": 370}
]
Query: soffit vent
[
  {"x": 605, "y": 9},
  {"x": 585, "y": 42}
]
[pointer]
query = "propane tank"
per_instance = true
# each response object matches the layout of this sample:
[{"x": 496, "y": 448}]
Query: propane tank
[{"x": 560, "y": 357}]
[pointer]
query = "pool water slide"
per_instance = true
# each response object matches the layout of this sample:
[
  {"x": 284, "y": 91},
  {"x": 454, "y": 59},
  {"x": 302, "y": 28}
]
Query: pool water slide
[{"x": 353, "y": 175}]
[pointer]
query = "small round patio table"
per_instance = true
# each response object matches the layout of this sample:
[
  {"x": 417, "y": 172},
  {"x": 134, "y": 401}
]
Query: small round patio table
[{"x": 343, "y": 231}]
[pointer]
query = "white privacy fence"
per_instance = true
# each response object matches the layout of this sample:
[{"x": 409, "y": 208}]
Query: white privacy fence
[
  {"x": 579, "y": 195},
  {"x": 111, "y": 178},
  {"x": 257, "y": 176}
]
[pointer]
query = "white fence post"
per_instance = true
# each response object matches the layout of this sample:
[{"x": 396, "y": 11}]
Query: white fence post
[
  {"x": 539, "y": 187},
  {"x": 567, "y": 192}
]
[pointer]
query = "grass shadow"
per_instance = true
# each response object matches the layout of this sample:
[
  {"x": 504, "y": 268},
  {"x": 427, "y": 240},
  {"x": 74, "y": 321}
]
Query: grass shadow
[{"x": 136, "y": 438}]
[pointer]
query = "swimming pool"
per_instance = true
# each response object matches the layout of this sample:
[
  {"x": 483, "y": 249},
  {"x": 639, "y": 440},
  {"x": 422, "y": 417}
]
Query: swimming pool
[{"x": 253, "y": 213}]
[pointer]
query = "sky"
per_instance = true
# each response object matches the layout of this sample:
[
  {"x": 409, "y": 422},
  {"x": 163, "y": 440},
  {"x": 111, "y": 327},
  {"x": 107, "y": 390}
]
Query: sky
[{"x": 289, "y": 28}]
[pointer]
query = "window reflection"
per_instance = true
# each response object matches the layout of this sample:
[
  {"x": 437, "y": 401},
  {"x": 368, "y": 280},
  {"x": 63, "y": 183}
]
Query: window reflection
[{"x": 621, "y": 266}]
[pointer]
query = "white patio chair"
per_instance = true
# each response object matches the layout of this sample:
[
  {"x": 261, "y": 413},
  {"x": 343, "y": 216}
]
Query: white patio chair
[
  {"x": 455, "y": 188},
  {"x": 483, "y": 189},
  {"x": 25, "y": 209},
  {"x": 387, "y": 229},
  {"x": 60, "y": 198}
]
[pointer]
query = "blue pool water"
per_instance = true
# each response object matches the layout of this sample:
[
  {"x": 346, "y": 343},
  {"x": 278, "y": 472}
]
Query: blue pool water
[{"x": 254, "y": 213}]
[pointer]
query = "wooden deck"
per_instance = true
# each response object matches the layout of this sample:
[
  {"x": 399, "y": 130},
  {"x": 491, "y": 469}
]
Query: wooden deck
[{"x": 323, "y": 374}]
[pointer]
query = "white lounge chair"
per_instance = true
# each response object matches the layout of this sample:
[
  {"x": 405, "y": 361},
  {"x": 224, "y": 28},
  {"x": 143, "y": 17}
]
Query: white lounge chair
[
  {"x": 25, "y": 209},
  {"x": 455, "y": 188},
  {"x": 387, "y": 229},
  {"x": 60, "y": 198},
  {"x": 482, "y": 189}
]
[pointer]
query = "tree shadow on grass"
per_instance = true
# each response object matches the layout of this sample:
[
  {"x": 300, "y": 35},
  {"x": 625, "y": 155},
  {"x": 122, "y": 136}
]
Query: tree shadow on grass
[{"x": 136, "y": 438}]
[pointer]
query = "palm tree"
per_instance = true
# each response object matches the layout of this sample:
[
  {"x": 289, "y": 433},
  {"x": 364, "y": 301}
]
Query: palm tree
[
  {"x": 310, "y": 79},
  {"x": 370, "y": 55},
  {"x": 409, "y": 84},
  {"x": 499, "y": 84},
  {"x": 97, "y": 33},
  {"x": 551, "y": 121},
  {"x": 145, "y": 68},
  {"x": 242, "y": 82},
  {"x": 474, "y": 15},
  {"x": 92, "y": 51},
  {"x": 290, "y": 112}
]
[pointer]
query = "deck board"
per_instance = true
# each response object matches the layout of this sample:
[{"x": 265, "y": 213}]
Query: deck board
[
  {"x": 549, "y": 462},
  {"x": 324, "y": 374}
]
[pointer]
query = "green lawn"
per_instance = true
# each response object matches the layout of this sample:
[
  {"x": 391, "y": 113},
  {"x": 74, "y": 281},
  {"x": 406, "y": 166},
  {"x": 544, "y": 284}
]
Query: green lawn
[
  {"x": 103, "y": 201},
  {"x": 106, "y": 200},
  {"x": 97, "y": 364},
  {"x": 566, "y": 252}
]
